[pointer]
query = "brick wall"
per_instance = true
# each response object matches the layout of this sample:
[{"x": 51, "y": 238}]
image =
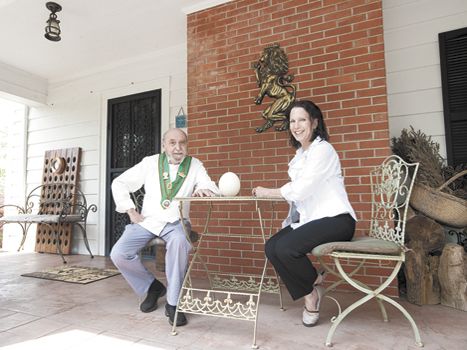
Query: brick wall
[{"x": 336, "y": 53}]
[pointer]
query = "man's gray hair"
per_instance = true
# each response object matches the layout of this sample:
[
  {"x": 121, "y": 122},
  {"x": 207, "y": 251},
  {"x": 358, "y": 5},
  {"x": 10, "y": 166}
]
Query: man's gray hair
[{"x": 171, "y": 129}]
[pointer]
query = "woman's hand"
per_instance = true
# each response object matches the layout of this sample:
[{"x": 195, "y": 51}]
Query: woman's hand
[{"x": 266, "y": 192}]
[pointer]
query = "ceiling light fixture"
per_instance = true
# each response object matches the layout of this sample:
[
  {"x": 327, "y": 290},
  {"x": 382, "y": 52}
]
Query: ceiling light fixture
[{"x": 52, "y": 30}]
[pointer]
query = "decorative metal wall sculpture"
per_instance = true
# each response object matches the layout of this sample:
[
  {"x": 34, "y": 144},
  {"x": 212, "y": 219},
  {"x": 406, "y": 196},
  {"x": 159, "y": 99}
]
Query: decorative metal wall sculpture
[{"x": 273, "y": 81}]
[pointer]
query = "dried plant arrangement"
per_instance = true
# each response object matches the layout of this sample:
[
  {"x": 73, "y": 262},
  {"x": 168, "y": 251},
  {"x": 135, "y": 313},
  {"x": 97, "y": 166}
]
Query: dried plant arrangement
[{"x": 416, "y": 146}]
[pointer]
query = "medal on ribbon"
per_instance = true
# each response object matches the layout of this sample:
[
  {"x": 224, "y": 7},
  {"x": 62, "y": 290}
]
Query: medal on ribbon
[{"x": 169, "y": 189}]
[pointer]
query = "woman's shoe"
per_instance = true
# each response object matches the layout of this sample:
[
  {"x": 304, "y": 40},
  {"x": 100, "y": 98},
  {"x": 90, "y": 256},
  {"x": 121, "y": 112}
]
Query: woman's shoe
[{"x": 311, "y": 318}]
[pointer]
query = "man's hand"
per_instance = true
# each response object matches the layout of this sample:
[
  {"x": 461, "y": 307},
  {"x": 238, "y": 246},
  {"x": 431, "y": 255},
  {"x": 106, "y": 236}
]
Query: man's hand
[
  {"x": 135, "y": 217},
  {"x": 203, "y": 193}
]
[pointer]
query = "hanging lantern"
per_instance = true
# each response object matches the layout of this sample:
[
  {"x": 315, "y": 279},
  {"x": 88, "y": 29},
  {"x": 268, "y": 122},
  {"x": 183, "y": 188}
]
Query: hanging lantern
[{"x": 52, "y": 30}]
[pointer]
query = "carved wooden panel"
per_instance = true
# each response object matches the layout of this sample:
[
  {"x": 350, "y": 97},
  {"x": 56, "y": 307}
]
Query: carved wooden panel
[{"x": 62, "y": 167}]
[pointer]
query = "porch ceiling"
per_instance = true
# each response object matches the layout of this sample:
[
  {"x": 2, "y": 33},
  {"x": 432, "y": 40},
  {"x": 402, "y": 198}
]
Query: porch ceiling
[{"x": 95, "y": 34}]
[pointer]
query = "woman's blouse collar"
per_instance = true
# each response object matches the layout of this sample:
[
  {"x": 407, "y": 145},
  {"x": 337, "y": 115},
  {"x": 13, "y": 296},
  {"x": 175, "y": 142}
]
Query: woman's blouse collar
[{"x": 315, "y": 141}]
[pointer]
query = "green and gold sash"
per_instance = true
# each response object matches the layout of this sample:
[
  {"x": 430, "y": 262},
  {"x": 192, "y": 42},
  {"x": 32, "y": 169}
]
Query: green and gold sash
[{"x": 170, "y": 189}]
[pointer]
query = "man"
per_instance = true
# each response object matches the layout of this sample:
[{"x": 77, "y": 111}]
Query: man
[{"x": 164, "y": 176}]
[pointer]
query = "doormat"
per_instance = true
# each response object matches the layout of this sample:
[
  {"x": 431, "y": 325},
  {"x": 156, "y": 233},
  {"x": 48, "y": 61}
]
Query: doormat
[{"x": 74, "y": 274}]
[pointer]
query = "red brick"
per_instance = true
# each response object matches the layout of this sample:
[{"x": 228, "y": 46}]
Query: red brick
[
  {"x": 346, "y": 129},
  {"x": 372, "y": 92},
  {"x": 359, "y": 154},
  {"x": 343, "y": 96},
  {"x": 373, "y": 23},
  {"x": 355, "y": 86},
  {"x": 338, "y": 31},
  {"x": 355, "y": 102},
  {"x": 349, "y": 163},
  {"x": 311, "y": 37},
  {"x": 371, "y": 74},
  {"x": 358, "y": 136},
  {"x": 341, "y": 112},
  {"x": 372, "y": 109},
  {"x": 325, "y": 57},
  {"x": 321, "y": 11},
  {"x": 223, "y": 42},
  {"x": 374, "y": 144},
  {"x": 373, "y": 126},
  {"x": 370, "y": 57},
  {"x": 326, "y": 90},
  {"x": 340, "y": 63}
]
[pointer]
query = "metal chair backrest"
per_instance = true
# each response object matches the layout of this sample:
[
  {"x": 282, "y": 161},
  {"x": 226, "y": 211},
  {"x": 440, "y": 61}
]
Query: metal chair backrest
[
  {"x": 138, "y": 198},
  {"x": 391, "y": 186}
]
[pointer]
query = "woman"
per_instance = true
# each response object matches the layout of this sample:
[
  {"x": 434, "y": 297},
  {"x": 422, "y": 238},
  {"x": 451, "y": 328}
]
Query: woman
[{"x": 320, "y": 211}]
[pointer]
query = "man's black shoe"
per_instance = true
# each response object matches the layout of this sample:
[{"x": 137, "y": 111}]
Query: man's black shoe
[
  {"x": 155, "y": 291},
  {"x": 170, "y": 313}
]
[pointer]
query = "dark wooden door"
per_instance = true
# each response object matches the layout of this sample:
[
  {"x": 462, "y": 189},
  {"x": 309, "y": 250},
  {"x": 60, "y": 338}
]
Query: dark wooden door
[{"x": 133, "y": 132}]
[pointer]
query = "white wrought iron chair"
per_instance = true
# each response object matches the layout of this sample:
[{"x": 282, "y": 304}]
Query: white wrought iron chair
[{"x": 391, "y": 186}]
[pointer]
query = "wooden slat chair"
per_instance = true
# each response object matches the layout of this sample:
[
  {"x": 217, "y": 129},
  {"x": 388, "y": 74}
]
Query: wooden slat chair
[
  {"x": 391, "y": 186},
  {"x": 157, "y": 242}
]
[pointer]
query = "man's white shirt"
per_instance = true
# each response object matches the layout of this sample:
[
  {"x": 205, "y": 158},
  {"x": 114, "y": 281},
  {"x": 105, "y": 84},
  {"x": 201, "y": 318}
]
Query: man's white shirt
[{"x": 146, "y": 173}]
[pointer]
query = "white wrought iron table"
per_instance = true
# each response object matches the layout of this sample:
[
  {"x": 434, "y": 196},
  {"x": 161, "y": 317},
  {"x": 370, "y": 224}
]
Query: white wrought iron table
[{"x": 229, "y": 295}]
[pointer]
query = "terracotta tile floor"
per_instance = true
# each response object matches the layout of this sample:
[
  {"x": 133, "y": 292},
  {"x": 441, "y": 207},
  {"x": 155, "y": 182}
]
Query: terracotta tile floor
[{"x": 41, "y": 314}]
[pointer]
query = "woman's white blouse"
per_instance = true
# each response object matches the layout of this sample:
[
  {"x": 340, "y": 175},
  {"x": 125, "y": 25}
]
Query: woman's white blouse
[{"x": 317, "y": 186}]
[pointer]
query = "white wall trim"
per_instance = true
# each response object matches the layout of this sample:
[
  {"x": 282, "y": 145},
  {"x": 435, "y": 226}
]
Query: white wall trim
[
  {"x": 22, "y": 87},
  {"x": 162, "y": 83},
  {"x": 202, "y": 6}
]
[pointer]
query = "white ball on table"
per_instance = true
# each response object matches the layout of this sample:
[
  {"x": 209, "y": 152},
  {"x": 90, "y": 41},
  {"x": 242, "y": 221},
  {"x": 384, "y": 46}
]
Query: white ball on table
[{"x": 229, "y": 184}]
